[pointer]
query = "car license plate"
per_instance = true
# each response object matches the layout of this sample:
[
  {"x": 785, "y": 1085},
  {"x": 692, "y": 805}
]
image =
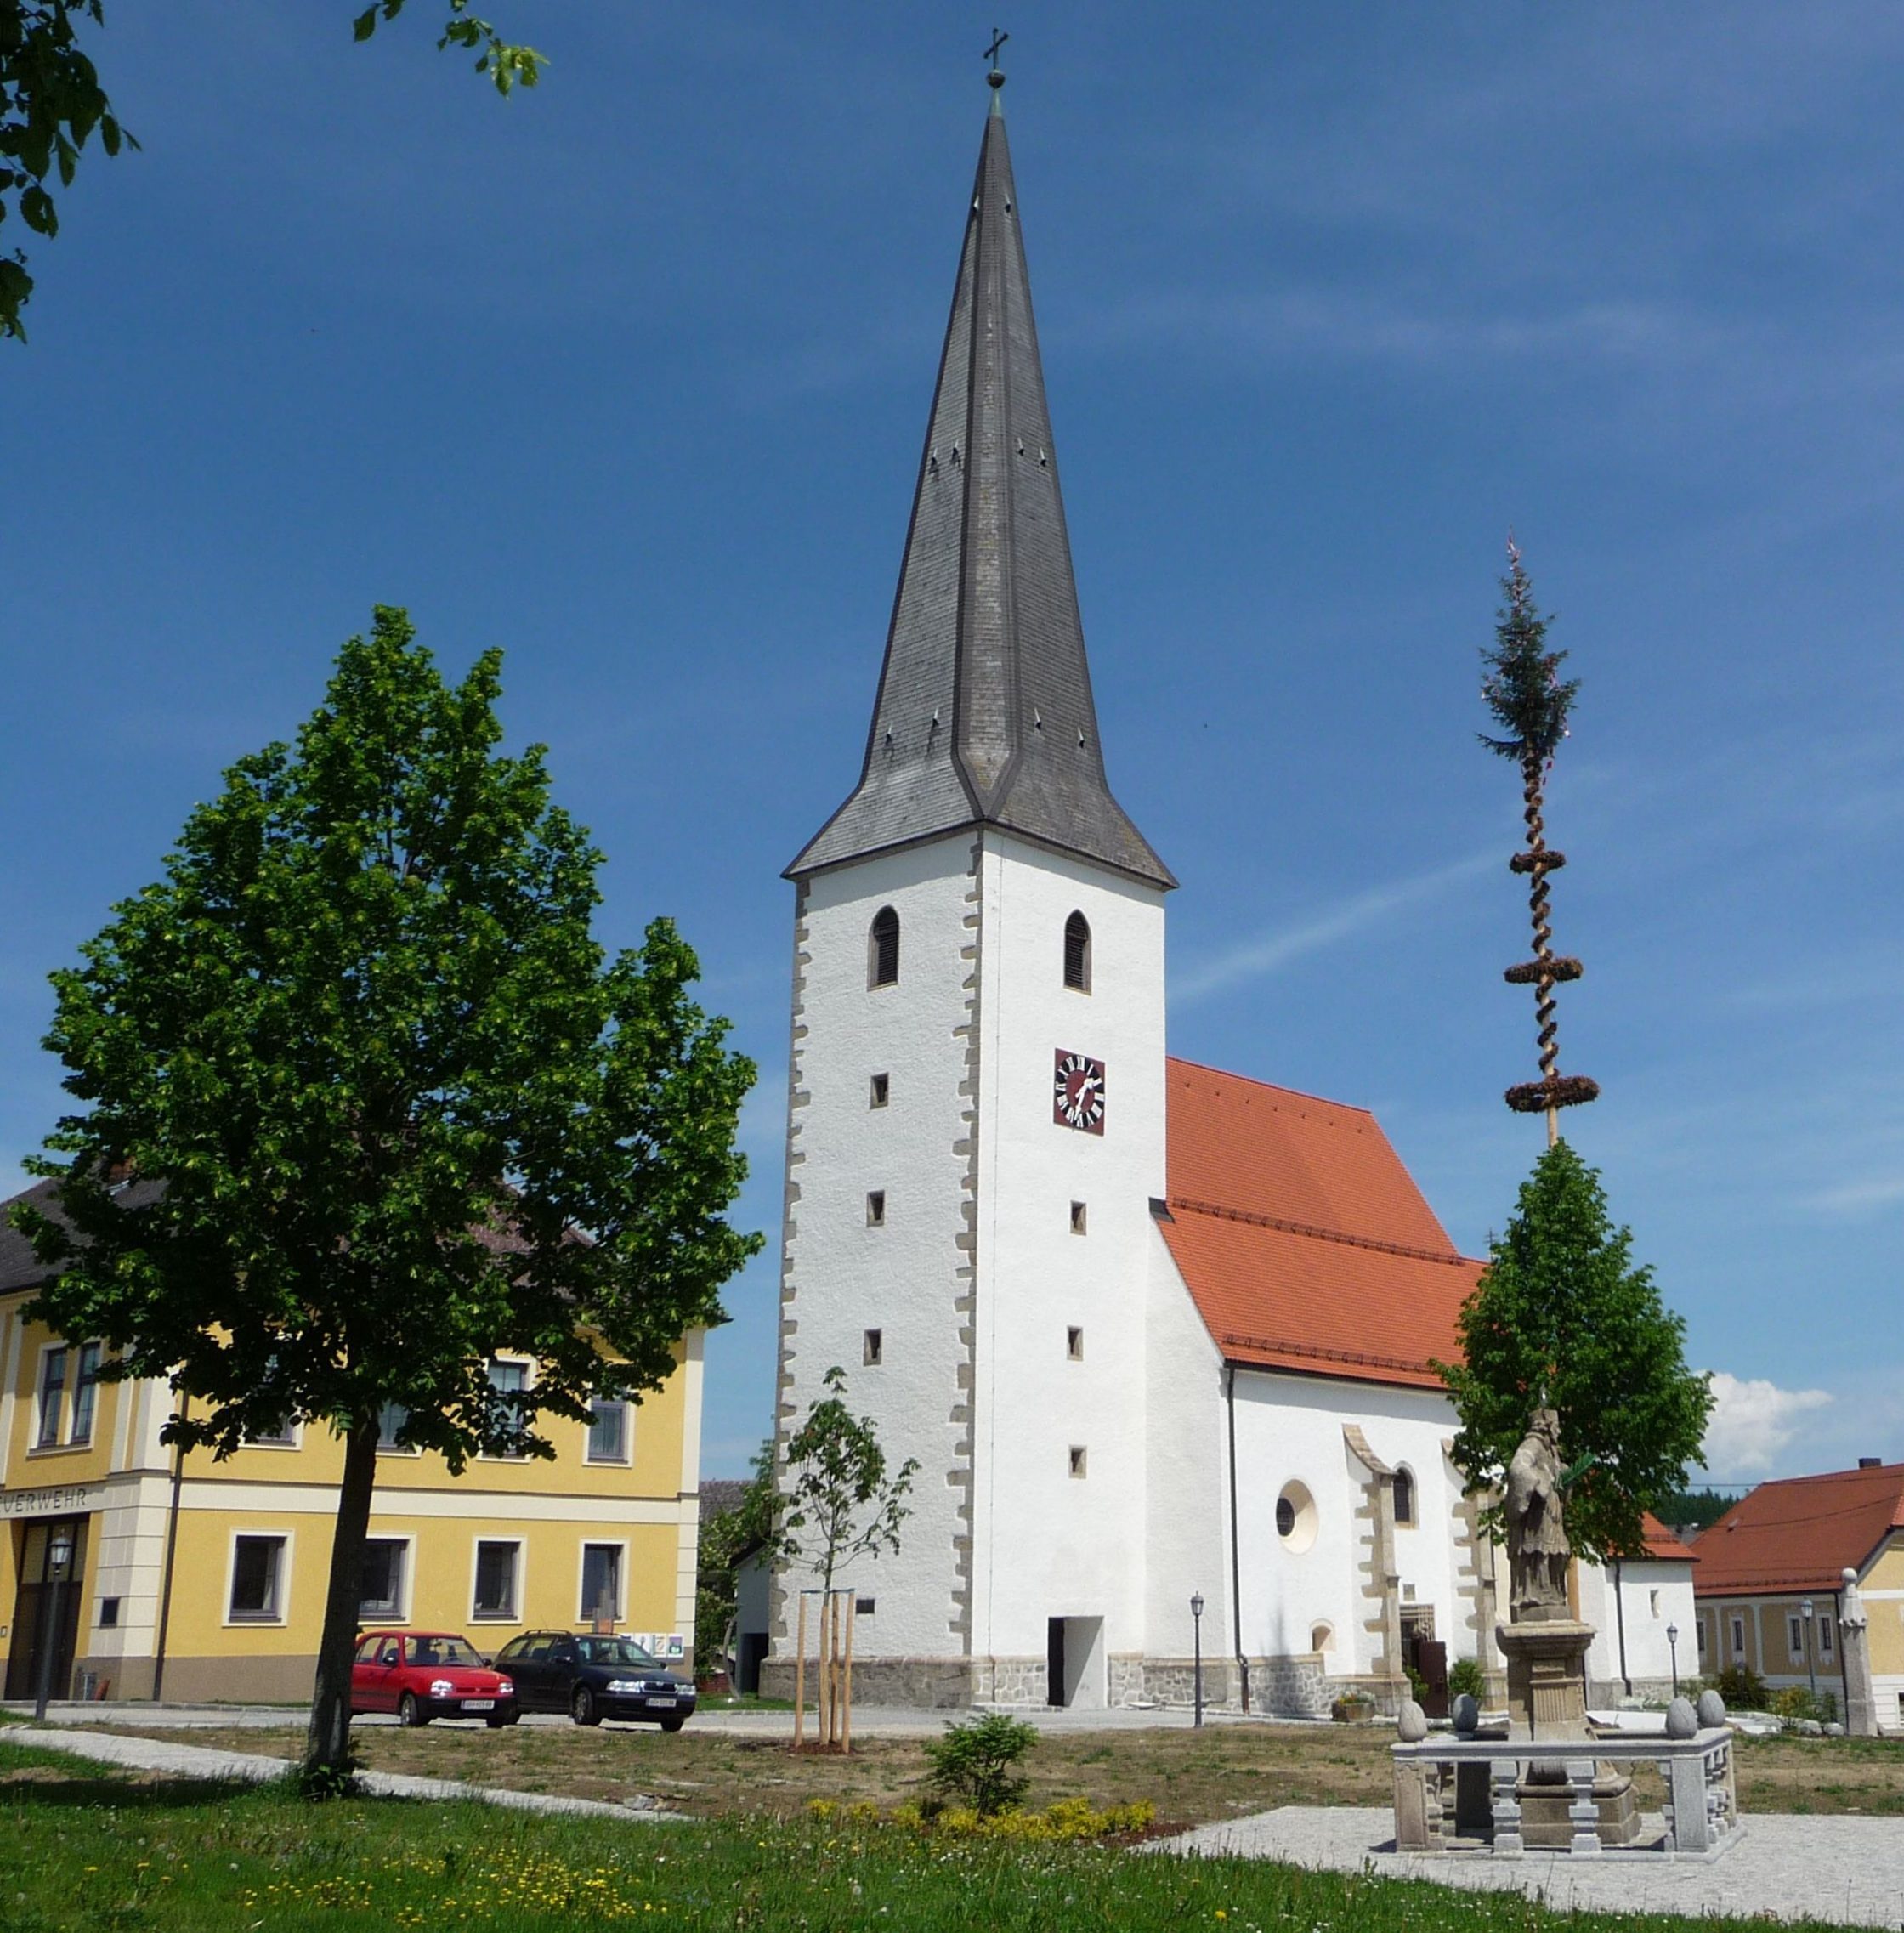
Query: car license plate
[
  {"x": 478, "y": 1705},
  {"x": 664, "y": 1700}
]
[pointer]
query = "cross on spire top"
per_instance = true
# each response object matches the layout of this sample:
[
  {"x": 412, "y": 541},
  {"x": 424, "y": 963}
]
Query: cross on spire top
[{"x": 999, "y": 39}]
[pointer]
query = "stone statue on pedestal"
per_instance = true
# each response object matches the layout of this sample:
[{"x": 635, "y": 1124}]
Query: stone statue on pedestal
[{"x": 1538, "y": 1554}]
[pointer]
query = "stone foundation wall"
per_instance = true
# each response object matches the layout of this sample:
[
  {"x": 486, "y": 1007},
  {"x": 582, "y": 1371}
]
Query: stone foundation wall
[
  {"x": 931, "y": 1684},
  {"x": 1014, "y": 1682},
  {"x": 1605, "y": 1694},
  {"x": 1292, "y": 1687}
]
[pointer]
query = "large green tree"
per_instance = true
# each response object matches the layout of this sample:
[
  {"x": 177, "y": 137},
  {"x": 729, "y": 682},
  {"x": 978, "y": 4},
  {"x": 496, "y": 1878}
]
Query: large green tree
[
  {"x": 1560, "y": 1316},
  {"x": 52, "y": 100},
  {"x": 407, "y": 1112}
]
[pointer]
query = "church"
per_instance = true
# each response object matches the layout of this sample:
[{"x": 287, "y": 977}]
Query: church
[{"x": 1157, "y": 1336}]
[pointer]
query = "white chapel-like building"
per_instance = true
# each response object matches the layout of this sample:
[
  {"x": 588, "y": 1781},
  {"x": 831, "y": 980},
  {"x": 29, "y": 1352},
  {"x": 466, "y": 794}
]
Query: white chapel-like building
[{"x": 1150, "y": 1331}]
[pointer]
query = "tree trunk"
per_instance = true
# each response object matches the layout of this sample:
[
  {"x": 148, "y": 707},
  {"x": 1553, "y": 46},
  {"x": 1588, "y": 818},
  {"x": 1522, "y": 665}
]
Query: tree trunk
[{"x": 327, "y": 1744}]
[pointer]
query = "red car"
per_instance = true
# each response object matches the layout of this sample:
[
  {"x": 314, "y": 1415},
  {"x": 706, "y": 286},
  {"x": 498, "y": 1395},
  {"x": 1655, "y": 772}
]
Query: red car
[{"x": 425, "y": 1674}]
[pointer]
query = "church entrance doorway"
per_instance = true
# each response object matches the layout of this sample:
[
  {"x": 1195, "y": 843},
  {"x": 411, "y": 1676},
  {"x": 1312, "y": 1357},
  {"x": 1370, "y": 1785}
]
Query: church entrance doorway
[
  {"x": 1425, "y": 1656},
  {"x": 1074, "y": 1662},
  {"x": 52, "y": 1553}
]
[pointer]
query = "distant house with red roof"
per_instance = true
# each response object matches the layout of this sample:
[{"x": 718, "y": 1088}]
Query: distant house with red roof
[{"x": 1772, "y": 1572}]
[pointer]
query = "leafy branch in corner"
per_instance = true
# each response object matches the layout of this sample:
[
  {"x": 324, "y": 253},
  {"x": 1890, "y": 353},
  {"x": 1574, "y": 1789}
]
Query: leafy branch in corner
[{"x": 52, "y": 101}]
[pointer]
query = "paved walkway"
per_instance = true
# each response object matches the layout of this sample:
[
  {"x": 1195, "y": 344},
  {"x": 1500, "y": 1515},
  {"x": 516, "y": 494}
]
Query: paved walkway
[
  {"x": 869, "y": 1721},
  {"x": 1845, "y": 1871},
  {"x": 255, "y": 1768}
]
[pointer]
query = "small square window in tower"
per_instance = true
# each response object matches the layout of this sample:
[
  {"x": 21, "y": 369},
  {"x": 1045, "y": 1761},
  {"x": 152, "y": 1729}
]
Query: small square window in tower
[
  {"x": 1078, "y": 1459},
  {"x": 1078, "y": 1218},
  {"x": 1077, "y": 954},
  {"x": 876, "y": 1208},
  {"x": 873, "y": 1349},
  {"x": 883, "y": 949},
  {"x": 1074, "y": 1345},
  {"x": 881, "y": 1092}
]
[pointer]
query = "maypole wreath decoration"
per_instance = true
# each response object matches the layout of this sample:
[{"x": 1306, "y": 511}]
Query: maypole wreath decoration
[{"x": 1524, "y": 690}]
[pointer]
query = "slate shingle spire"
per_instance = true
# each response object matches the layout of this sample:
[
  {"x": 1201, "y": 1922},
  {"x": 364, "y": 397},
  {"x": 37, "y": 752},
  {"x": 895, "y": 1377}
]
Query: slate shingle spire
[{"x": 984, "y": 713}]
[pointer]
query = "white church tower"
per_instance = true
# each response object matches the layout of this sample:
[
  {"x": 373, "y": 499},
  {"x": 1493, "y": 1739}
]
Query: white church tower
[{"x": 976, "y": 1106}]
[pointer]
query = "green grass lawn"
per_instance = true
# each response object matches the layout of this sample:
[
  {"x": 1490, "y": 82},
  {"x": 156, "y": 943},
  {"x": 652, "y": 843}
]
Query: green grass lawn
[{"x": 85, "y": 1853}]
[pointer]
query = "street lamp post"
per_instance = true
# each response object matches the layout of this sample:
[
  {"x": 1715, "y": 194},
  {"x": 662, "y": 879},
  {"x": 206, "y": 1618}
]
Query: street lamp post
[
  {"x": 1197, "y": 1629},
  {"x": 1673, "y": 1646},
  {"x": 58, "y": 1561},
  {"x": 1811, "y": 1657}
]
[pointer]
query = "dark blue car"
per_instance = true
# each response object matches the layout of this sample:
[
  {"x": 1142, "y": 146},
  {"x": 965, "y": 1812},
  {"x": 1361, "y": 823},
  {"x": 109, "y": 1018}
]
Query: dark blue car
[{"x": 595, "y": 1677}]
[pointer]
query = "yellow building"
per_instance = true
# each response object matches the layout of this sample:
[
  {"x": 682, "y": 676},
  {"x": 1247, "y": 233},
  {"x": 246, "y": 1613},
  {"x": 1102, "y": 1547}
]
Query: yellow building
[
  {"x": 1771, "y": 1577},
  {"x": 128, "y": 1571}
]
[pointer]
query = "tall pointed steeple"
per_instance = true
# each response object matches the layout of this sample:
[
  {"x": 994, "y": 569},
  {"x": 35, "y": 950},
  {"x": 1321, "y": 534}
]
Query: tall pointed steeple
[{"x": 984, "y": 714}]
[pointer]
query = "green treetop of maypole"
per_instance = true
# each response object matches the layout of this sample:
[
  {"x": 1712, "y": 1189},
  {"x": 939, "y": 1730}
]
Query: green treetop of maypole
[{"x": 1530, "y": 703}]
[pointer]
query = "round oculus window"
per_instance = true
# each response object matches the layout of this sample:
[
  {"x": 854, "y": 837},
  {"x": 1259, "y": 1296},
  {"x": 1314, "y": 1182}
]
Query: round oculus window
[{"x": 1295, "y": 1517}]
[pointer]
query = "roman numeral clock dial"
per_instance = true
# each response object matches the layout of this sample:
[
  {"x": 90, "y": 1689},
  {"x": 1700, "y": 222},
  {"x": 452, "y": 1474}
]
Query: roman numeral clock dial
[{"x": 1078, "y": 1093}]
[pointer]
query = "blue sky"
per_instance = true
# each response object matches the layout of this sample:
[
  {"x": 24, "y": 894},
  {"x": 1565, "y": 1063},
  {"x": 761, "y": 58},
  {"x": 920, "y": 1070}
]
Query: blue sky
[{"x": 628, "y": 377}]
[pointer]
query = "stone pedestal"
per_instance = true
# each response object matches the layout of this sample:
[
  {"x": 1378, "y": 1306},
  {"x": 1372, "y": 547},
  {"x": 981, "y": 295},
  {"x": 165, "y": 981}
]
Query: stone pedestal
[
  {"x": 1546, "y": 1688},
  {"x": 1547, "y": 1701}
]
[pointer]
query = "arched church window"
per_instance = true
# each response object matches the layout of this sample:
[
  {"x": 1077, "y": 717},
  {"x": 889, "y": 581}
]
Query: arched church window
[
  {"x": 1077, "y": 954},
  {"x": 1404, "y": 1497},
  {"x": 883, "y": 949}
]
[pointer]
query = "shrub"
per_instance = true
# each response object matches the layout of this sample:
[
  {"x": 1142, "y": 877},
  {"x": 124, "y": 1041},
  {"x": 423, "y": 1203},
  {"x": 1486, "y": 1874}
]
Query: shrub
[
  {"x": 977, "y": 1761},
  {"x": 1417, "y": 1686},
  {"x": 1465, "y": 1675},
  {"x": 1742, "y": 1688}
]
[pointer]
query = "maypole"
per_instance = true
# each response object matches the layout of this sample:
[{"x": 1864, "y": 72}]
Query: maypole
[{"x": 1524, "y": 691}]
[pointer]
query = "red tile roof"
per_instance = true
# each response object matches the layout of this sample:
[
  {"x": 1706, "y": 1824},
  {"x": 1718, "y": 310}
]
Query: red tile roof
[
  {"x": 1800, "y": 1532},
  {"x": 1662, "y": 1544},
  {"x": 1303, "y": 1240}
]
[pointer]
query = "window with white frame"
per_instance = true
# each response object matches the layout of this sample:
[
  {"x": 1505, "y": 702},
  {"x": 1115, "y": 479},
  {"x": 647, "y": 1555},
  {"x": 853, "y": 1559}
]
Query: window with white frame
[
  {"x": 1824, "y": 1638},
  {"x": 608, "y": 1429},
  {"x": 258, "y": 1581},
  {"x": 381, "y": 1593},
  {"x": 390, "y": 1420},
  {"x": 498, "y": 1564},
  {"x": 508, "y": 1379},
  {"x": 601, "y": 1583},
  {"x": 274, "y": 1436},
  {"x": 53, "y": 1395},
  {"x": 1794, "y": 1633},
  {"x": 1738, "y": 1636},
  {"x": 86, "y": 1393}
]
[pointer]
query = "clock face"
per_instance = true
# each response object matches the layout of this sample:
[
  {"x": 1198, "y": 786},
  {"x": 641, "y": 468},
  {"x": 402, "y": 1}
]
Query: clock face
[{"x": 1078, "y": 1092}]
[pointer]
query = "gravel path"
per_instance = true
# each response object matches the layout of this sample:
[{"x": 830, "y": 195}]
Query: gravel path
[
  {"x": 202, "y": 1761},
  {"x": 1845, "y": 1872}
]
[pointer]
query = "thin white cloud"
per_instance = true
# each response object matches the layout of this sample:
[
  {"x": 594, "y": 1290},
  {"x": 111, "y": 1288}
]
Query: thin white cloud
[
  {"x": 1351, "y": 325},
  {"x": 1270, "y": 952},
  {"x": 1753, "y": 1421},
  {"x": 1860, "y": 1198}
]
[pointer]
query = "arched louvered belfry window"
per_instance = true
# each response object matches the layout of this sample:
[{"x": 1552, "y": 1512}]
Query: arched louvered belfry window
[
  {"x": 1077, "y": 954},
  {"x": 883, "y": 949}
]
